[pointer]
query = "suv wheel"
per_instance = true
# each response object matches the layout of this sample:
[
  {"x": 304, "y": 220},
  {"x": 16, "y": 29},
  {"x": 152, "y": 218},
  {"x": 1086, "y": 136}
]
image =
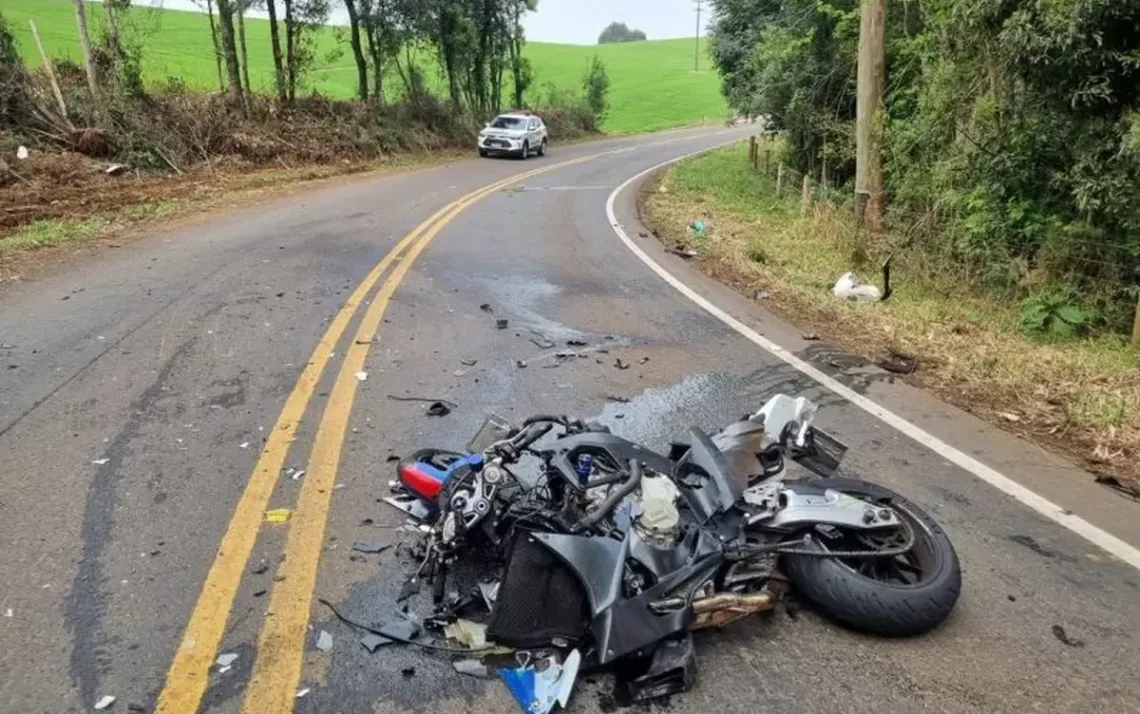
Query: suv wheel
[
  {"x": 525, "y": 151},
  {"x": 542, "y": 148}
]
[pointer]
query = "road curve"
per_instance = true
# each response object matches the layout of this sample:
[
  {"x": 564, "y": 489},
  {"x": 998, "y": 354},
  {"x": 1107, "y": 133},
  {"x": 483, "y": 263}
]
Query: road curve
[{"x": 145, "y": 389}]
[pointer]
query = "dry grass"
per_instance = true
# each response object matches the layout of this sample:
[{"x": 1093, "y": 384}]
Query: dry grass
[{"x": 1081, "y": 396}]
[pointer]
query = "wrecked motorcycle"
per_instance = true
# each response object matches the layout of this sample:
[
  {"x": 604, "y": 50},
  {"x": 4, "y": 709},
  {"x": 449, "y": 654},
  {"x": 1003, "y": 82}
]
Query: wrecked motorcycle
[{"x": 621, "y": 552}]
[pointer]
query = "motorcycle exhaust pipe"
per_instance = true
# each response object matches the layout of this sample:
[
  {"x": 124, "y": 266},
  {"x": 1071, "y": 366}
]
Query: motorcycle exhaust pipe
[{"x": 720, "y": 609}]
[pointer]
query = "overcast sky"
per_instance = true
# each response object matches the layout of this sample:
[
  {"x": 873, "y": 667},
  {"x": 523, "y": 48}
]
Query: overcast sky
[{"x": 575, "y": 21}]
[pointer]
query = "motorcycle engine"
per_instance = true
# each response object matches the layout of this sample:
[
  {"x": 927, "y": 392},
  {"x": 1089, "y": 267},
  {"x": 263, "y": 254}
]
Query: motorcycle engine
[{"x": 658, "y": 521}]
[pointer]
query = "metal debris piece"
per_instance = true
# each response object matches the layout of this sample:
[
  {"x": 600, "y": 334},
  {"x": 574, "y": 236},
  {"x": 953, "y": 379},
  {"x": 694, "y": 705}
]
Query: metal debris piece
[
  {"x": 302, "y": 692},
  {"x": 621, "y": 364},
  {"x": 472, "y": 668},
  {"x": 438, "y": 409},
  {"x": 468, "y": 362},
  {"x": 225, "y": 660},
  {"x": 324, "y": 641},
  {"x": 490, "y": 593},
  {"x": 371, "y": 546},
  {"x": 410, "y": 505},
  {"x": 521, "y": 364},
  {"x": 502, "y": 323},
  {"x": 104, "y": 701},
  {"x": 485, "y": 307}
]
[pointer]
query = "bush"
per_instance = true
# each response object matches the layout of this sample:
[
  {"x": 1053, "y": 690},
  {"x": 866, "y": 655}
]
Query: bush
[{"x": 596, "y": 86}]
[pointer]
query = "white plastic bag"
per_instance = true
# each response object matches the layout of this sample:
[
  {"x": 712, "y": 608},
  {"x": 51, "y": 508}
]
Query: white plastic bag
[{"x": 849, "y": 287}]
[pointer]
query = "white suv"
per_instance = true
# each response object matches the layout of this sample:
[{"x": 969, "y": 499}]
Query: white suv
[{"x": 517, "y": 134}]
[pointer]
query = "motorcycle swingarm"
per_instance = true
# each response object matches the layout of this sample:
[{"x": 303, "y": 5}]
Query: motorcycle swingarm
[{"x": 805, "y": 504}]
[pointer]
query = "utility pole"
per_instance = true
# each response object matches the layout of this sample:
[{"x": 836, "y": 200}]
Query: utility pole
[
  {"x": 697, "y": 38},
  {"x": 870, "y": 82}
]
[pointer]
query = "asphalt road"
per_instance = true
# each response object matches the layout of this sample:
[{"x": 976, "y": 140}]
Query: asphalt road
[{"x": 155, "y": 399}]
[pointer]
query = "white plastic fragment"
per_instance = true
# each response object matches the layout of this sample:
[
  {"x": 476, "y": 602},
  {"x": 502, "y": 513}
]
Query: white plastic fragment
[
  {"x": 104, "y": 701},
  {"x": 362, "y": 376},
  {"x": 324, "y": 641},
  {"x": 243, "y": 445},
  {"x": 100, "y": 462},
  {"x": 225, "y": 660},
  {"x": 849, "y": 287},
  {"x": 302, "y": 692},
  {"x": 22, "y": 153}
]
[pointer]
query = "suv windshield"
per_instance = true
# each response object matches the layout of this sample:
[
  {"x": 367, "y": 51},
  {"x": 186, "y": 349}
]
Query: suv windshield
[{"x": 508, "y": 123}]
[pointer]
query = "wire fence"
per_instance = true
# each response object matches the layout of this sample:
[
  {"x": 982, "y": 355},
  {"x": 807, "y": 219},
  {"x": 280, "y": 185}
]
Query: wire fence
[{"x": 763, "y": 155}]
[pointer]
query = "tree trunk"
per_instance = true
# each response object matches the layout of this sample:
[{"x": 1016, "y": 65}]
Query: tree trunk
[
  {"x": 229, "y": 49},
  {"x": 275, "y": 40},
  {"x": 376, "y": 50},
  {"x": 357, "y": 49},
  {"x": 290, "y": 54},
  {"x": 242, "y": 5},
  {"x": 217, "y": 45},
  {"x": 88, "y": 58}
]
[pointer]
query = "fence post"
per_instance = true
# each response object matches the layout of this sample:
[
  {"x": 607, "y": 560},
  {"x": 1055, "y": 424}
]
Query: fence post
[
  {"x": 1136, "y": 327},
  {"x": 752, "y": 150},
  {"x": 779, "y": 178},
  {"x": 767, "y": 161},
  {"x": 805, "y": 198}
]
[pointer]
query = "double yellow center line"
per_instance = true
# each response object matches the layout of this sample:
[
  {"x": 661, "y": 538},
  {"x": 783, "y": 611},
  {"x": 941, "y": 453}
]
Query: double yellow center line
[{"x": 280, "y": 646}]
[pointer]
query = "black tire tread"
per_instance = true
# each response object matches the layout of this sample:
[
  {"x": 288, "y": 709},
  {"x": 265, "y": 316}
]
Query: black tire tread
[{"x": 873, "y": 607}]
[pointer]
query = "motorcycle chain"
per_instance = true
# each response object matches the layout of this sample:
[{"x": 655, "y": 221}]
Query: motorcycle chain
[{"x": 888, "y": 553}]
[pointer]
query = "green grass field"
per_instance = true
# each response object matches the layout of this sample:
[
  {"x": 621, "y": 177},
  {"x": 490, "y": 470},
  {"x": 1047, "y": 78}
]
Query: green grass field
[{"x": 653, "y": 83}]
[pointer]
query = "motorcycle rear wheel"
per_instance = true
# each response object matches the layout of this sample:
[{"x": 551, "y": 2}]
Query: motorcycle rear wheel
[{"x": 894, "y": 597}]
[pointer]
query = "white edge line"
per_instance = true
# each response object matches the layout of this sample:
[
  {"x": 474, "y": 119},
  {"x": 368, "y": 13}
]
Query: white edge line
[{"x": 1104, "y": 540}]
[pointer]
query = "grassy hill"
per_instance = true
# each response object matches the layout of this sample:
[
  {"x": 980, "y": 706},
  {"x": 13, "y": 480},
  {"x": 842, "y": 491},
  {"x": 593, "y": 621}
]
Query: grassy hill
[{"x": 653, "y": 83}]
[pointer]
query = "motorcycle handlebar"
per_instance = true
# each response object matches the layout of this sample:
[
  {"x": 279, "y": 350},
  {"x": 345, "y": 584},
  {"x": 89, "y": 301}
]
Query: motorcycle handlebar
[
  {"x": 615, "y": 498},
  {"x": 531, "y": 434}
]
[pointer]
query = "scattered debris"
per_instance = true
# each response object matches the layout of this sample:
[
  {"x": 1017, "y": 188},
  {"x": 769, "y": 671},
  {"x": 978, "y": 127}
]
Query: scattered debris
[
  {"x": 615, "y": 398},
  {"x": 697, "y": 228},
  {"x": 620, "y": 364},
  {"x": 538, "y": 691},
  {"x": 502, "y": 323},
  {"x": 100, "y": 462},
  {"x": 542, "y": 343},
  {"x": 298, "y": 474},
  {"x": 521, "y": 364},
  {"x": 422, "y": 399},
  {"x": 899, "y": 362},
  {"x": 243, "y": 445},
  {"x": 408, "y": 672},
  {"x": 460, "y": 373},
  {"x": 324, "y": 641},
  {"x": 643, "y": 360},
  {"x": 371, "y": 546},
  {"x": 261, "y": 567},
  {"x": 761, "y": 295},
  {"x": 278, "y": 515},
  {"x": 576, "y": 343},
  {"x": 363, "y": 341},
  {"x": 259, "y": 593},
  {"x": 8, "y": 612},
  {"x": 468, "y": 362},
  {"x": 1011, "y": 598},
  {"x": 1131, "y": 490},
  {"x": 438, "y": 409},
  {"x": 373, "y": 642},
  {"x": 391, "y": 458},
  {"x": 683, "y": 252},
  {"x": 104, "y": 702},
  {"x": 1010, "y": 417},
  {"x": 490, "y": 592},
  {"x": 486, "y": 307},
  {"x": 22, "y": 153},
  {"x": 133, "y": 707},
  {"x": 410, "y": 587},
  {"x": 472, "y": 634},
  {"x": 225, "y": 660},
  {"x": 472, "y": 668},
  {"x": 849, "y": 287},
  {"x": 302, "y": 692},
  {"x": 811, "y": 336},
  {"x": 362, "y": 376},
  {"x": 1060, "y": 634},
  {"x": 116, "y": 169}
]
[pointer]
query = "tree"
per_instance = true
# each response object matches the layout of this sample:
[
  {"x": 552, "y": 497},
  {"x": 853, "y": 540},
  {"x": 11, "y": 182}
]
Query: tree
[
  {"x": 357, "y": 49},
  {"x": 228, "y": 38},
  {"x": 275, "y": 42},
  {"x": 242, "y": 6},
  {"x": 302, "y": 18},
  {"x": 209, "y": 5},
  {"x": 521, "y": 70},
  {"x": 619, "y": 32},
  {"x": 88, "y": 58},
  {"x": 596, "y": 86}
]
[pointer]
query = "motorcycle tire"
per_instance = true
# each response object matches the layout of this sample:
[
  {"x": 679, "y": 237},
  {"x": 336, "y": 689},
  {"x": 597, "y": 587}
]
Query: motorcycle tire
[{"x": 873, "y": 606}]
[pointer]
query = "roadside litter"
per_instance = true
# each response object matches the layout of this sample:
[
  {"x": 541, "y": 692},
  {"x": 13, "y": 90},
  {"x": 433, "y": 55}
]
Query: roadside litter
[
  {"x": 850, "y": 287},
  {"x": 104, "y": 702},
  {"x": 278, "y": 515}
]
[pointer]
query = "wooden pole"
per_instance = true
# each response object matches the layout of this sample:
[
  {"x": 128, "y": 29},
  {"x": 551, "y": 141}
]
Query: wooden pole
[
  {"x": 1136, "y": 327},
  {"x": 805, "y": 197},
  {"x": 88, "y": 55},
  {"x": 779, "y": 178},
  {"x": 767, "y": 161},
  {"x": 752, "y": 149},
  {"x": 870, "y": 81},
  {"x": 51, "y": 72}
]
